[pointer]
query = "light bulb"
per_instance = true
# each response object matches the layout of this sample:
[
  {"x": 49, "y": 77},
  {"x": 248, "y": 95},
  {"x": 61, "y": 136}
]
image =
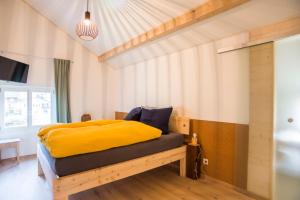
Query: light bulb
[{"x": 87, "y": 22}]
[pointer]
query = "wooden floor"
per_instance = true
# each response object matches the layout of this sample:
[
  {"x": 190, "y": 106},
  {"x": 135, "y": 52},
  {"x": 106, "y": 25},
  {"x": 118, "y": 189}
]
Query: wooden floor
[{"x": 20, "y": 182}]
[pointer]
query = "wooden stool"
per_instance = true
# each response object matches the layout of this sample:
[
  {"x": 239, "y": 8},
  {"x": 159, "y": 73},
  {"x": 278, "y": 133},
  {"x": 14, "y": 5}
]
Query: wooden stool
[
  {"x": 11, "y": 143},
  {"x": 193, "y": 163}
]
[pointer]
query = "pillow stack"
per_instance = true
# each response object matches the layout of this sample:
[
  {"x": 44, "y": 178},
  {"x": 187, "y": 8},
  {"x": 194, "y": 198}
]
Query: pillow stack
[{"x": 156, "y": 117}]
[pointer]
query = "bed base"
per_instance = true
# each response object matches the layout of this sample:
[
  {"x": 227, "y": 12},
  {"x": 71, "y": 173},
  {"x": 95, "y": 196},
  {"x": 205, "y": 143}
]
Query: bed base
[{"x": 63, "y": 187}]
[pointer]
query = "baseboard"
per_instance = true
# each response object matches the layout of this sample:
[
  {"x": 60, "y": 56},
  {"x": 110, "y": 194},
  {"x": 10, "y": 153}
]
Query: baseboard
[{"x": 243, "y": 191}]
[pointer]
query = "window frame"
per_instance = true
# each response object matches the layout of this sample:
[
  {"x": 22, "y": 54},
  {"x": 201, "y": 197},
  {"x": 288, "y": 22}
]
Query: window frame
[{"x": 29, "y": 90}]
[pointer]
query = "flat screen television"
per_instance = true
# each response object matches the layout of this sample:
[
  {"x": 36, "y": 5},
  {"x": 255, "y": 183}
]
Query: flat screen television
[{"x": 11, "y": 70}]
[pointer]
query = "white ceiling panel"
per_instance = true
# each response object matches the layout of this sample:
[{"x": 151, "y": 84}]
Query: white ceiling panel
[
  {"x": 121, "y": 20},
  {"x": 117, "y": 20},
  {"x": 256, "y": 13}
]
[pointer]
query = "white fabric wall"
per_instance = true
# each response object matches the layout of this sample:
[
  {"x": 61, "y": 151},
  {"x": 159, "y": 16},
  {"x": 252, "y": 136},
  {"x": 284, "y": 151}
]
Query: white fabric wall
[
  {"x": 25, "y": 31},
  {"x": 197, "y": 81}
]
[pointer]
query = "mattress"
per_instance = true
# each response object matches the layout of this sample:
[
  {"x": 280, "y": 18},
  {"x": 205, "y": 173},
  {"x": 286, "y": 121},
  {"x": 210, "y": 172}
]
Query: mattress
[{"x": 83, "y": 162}]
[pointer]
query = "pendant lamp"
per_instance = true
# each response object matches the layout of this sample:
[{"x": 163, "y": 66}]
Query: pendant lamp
[{"x": 87, "y": 29}]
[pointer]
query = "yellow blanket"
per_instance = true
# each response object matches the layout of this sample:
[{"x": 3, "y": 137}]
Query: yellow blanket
[{"x": 64, "y": 140}]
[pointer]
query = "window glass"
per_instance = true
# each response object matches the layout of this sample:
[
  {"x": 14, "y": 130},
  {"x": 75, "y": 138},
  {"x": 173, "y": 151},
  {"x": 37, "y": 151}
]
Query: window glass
[
  {"x": 15, "y": 109},
  {"x": 41, "y": 108}
]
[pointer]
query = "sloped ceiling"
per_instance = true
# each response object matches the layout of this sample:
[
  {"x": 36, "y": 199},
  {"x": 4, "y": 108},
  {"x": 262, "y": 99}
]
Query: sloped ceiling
[
  {"x": 122, "y": 20},
  {"x": 118, "y": 20},
  {"x": 242, "y": 19}
]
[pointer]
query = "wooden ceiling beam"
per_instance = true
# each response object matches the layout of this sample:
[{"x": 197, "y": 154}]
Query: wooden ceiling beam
[
  {"x": 202, "y": 12},
  {"x": 275, "y": 31},
  {"x": 269, "y": 33}
]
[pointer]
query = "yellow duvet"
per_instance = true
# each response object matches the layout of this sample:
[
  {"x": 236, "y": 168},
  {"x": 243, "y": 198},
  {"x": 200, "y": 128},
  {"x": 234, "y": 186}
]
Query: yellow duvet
[{"x": 64, "y": 140}]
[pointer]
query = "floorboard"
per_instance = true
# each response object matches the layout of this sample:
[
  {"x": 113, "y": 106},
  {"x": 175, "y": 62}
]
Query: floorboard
[{"x": 20, "y": 182}]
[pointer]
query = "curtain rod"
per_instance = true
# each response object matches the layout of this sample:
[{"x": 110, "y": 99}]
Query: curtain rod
[{"x": 2, "y": 52}]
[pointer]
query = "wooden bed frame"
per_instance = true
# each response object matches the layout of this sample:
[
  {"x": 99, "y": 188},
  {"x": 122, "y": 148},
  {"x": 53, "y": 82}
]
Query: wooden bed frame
[{"x": 64, "y": 186}]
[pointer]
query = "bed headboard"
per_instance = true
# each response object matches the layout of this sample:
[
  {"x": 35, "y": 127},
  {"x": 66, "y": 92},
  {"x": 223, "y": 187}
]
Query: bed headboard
[{"x": 177, "y": 124}]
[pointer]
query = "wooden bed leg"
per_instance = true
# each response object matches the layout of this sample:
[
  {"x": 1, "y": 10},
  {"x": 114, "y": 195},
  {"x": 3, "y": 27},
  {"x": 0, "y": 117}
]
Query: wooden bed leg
[
  {"x": 40, "y": 170},
  {"x": 183, "y": 167}
]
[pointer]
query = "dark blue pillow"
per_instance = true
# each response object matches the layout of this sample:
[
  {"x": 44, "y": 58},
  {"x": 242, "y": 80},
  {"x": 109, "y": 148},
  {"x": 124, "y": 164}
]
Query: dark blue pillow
[
  {"x": 134, "y": 114},
  {"x": 158, "y": 118}
]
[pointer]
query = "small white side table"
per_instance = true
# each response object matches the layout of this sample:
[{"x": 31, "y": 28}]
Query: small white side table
[{"x": 11, "y": 143}]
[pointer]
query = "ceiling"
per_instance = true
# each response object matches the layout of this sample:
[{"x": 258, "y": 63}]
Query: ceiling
[
  {"x": 241, "y": 19},
  {"x": 117, "y": 20},
  {"x": 121, "y": 20}
]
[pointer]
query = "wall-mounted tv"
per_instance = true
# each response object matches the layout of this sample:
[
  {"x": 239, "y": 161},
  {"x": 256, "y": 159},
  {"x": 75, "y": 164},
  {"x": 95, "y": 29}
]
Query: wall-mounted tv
[{"x": 11, "y": 70}]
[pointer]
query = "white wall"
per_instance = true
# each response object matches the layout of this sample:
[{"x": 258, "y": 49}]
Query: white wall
[
  {"x": 25, "y": 31},
  {"x": 201, "y": 83}
]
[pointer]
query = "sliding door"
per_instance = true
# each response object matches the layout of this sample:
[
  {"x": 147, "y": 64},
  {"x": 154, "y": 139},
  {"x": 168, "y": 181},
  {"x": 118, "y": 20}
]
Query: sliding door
[{"x": 287, "y": 134}]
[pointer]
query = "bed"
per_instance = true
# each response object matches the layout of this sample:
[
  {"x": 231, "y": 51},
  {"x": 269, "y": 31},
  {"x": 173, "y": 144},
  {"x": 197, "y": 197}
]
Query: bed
[{"x": 66, "y": 176}]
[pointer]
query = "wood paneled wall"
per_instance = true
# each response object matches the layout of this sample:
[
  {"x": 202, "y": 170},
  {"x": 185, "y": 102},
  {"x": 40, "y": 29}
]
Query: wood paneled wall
[{"x": 226, "y": 147}]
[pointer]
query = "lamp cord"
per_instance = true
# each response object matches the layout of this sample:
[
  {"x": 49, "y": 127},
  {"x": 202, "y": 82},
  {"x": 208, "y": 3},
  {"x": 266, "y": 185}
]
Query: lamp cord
[{"x": 87, "y": 5}]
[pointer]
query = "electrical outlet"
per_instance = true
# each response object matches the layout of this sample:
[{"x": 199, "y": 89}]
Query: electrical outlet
[{"x": 205, "y": 161}]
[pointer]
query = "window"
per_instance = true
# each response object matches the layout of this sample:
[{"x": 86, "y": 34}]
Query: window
[
  {"x": 41, "y": 108},
  {"x": 22, "y": 106},
  {"x": 15, "y": 109}
]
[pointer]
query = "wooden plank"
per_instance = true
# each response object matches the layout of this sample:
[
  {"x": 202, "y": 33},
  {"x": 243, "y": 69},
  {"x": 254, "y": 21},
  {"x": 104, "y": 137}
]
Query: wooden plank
[
  {"x": 120, "y": 115},
  {"x": 64, "y": 186},
  {"x": 75, "y": 183},
  {"x": 159, "y": 184},
  {"x": 225, "y": 145},
  {"x": 180, "y": 125},
  {"x": 262, "y": 35},
  {"x": 182, "y": 167},
  {"x": 45, "y": 168},
  {"x": 275, "y": 31},
  {"x": 177, "y": 124},
  {"x": 202, "y": 12},
  {"x": 261, "y": 120},
  {"x": 241, "y": 156}
]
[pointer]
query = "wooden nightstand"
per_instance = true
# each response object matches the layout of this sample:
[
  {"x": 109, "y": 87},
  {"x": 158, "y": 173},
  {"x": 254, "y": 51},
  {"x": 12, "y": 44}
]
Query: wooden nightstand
[
  {"x": 193, "y": 162},
  {"x": 11, "y": 143}
]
